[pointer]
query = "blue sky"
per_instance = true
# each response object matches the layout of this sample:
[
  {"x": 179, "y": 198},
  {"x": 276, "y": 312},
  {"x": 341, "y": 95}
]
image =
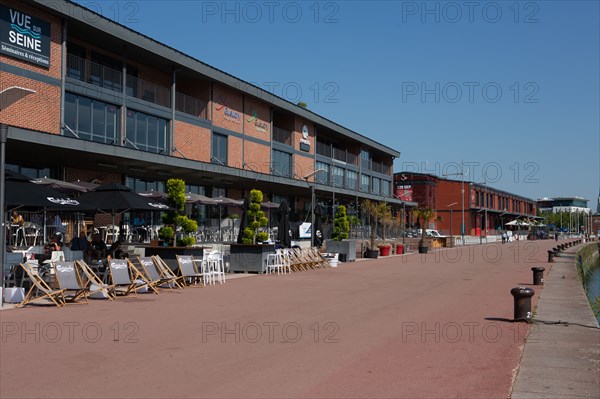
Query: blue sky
[{"x": 512, "y": 89}]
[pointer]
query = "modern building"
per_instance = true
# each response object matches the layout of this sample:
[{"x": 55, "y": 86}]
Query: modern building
[
  {"x": 564, "y": 204},
  {"x": 480, "y": 207},
  {"x": 85, "y": 98}
]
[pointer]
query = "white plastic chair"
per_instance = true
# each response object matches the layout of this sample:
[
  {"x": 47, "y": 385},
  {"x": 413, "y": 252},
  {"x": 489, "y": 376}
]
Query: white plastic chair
[
  {"x": 275, "y": 263},
  {"x": 216, "y": 266}
]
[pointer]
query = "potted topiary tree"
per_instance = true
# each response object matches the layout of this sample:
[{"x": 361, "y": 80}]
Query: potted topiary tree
[
  {"x": 176, "y": 199},
  {"x": 339, "y": 242},
  {"x": 386, "y": 220},
  {"x": 425, "y": 215},
  {"x": 257, "y": 221},
  {"x": 375, "y": 210},
  {"x": 249, "y": 256}
]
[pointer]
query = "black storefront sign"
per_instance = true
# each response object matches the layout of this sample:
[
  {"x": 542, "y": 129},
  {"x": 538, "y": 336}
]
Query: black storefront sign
[{"x": 25, "y": 37}]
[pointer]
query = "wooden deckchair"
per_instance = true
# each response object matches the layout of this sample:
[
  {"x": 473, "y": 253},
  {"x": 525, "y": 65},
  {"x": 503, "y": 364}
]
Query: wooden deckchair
[
  {"x": 126, "y": 277},
  {"x": 95, "y": 283},
  {"x": 158, "y": 280},
  {"x": 40, "y": 286},
  {"x": 69, "y": 280},
  {"x": 188, "y": 269},
  {"x": 166, "y": 271}
]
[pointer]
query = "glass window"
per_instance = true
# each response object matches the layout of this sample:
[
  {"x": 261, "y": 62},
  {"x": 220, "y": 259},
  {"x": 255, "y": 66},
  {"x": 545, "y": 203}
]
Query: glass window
[
  {"x": 386, "y": 188},
  {"x": 219, "y": 149},
  {"x": 376, "y": 185},
  {"x": 281, "y": 163},
  {"x": 352, "y": 179},
  {"x": 322, "y": 177},
  {"x": 365, "y": 160},
  {"x": 365, "y": 182},
  {"x": 146, "y": 132},
  {"x": 338, "y": 176},
  {"x": 91, "y": 120}
]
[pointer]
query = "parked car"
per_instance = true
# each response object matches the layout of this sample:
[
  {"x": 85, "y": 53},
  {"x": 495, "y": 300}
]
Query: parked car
[{"x": 430, "y": 233}]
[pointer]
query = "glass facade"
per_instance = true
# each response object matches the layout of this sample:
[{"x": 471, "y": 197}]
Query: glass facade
[
  {"x": 92, "y": 120},
  {"x": 281, "y": 163},
  {"x": 352, "y": 179},
  {"x": 146, "y": 132},
  {"x": 219, "y": 149},
  {"x": 322, "y": 177}
]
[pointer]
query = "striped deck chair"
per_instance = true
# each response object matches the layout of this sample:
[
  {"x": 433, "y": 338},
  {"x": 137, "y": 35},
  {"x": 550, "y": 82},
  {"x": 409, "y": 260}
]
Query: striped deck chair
[
  {"x": 166, "y": 271},
  {"x": 188, "y": 269},
  {"x": 126, "y": 277},
  {"x": 95, "y": 283},
  {"x": 40, "y": 290},
  {"x": 320, "y": 261},
  {"x": 153, "y": 274},
  {"x": 70, "y": 281}
]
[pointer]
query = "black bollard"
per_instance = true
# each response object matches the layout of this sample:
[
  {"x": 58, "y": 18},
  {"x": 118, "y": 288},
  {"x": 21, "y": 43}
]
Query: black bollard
[
  {"x": 550, "y": 256},
  {"x": 538, "y": 275},
  {"x": 522, "y": 297}
]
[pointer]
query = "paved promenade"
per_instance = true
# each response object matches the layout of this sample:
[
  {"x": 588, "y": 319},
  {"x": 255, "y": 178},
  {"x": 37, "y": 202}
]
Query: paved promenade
[
  {"x": 410, "y": 326},
  {"x": 561, "y": 361}
]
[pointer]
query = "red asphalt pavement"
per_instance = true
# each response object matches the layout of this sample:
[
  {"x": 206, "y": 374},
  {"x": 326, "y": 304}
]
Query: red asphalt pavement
[{"x": 397, "y": 327}]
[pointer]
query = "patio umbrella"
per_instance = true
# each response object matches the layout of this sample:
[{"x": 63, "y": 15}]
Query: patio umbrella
[
  {"x": 220, "y": 200},
  {"x": 22, "y": 193},
  {"x": 116, "y": 198},
  {"x": 283, "y": 229},
  {"x": 62, "y": 186},
  {"x": 318, "y": 227},
  {"x": 243, "y": 220},
  {"x": 192, "y": 198}
]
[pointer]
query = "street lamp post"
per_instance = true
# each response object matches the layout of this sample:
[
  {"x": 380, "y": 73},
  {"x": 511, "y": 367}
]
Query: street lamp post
[
  {"x": 462, "y": 196},
  {"x": 451, "y": 233},
  {"x": 312, "y": 204},
  {"x": 3, "y": 139}
]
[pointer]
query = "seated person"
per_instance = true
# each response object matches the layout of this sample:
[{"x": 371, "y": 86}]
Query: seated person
[
  {"x": 80, "y": 243},
  {"x": 17, "y": 219},
  {"x": 139, "y": 226},
  {"x": 53, "y": 245},
  {"x": 97, "y": 249},
  {"x": 116, "y": 251}
]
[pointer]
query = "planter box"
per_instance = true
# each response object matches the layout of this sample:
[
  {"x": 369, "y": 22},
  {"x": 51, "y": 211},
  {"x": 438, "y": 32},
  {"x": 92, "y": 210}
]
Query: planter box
[
  {"x": 250, "y": 258},
  {"x": 384, "y": 251},
  {"x": 346, "y": 247}
]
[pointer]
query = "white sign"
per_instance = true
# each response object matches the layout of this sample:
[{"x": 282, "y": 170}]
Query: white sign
[{"x": 305, "y": 231}]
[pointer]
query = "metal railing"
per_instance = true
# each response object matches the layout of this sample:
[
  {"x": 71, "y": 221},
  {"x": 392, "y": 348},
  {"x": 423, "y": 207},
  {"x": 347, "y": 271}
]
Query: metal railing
[
  {"x": 93, "y": 73},
  {"x": 191, "y": 105},
  {"x": 282, "y": 135},
  {"x": 148, "y": 91}
]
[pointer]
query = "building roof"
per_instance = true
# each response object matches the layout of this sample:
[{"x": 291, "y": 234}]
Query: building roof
[
  {"x": 482, "y": 186},
  {"x": 75, "y": 12}
]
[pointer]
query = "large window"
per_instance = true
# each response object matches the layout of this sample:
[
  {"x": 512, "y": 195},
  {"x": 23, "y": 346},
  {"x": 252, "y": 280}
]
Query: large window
[
  {"x": 365, "y": 160},
  {"x": 365, "y": 181},
  {"x": 219, "y": 149},
  {"x": 352, "y": 179},
  {"x": 385, "y": 188},
  {"x": 338, "y": 176},
  {"x": 91, "y": 120},
  {"x": 322, "y": 177},
  {"x": 141, "y": 186},
  {"x": 376, "y": 185},
  {"x": 146, "y": 132},
  {"x": 281, "y": 163}
]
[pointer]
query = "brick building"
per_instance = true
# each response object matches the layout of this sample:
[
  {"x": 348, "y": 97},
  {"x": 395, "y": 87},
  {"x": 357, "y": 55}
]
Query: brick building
[
  {"x": 85, "y": 98},
  {"x": 480, "y": 202}
]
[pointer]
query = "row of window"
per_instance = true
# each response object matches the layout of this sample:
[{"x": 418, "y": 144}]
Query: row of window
[
  {"x": 98, "y": 121},
  {"x": 344, "y": 178},
  {"x": 95, "y": 120},
  {"x": 488, "y": 200}
]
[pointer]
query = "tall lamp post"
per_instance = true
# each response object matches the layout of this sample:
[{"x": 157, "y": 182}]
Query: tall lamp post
[
  {"x": 462, "y": 174},
  {"x": 3, "y": 139},
  {"x": 312, "y": 204},
  {"x": 451, "y": 233},
  {"x": 485, "y": 206}
]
